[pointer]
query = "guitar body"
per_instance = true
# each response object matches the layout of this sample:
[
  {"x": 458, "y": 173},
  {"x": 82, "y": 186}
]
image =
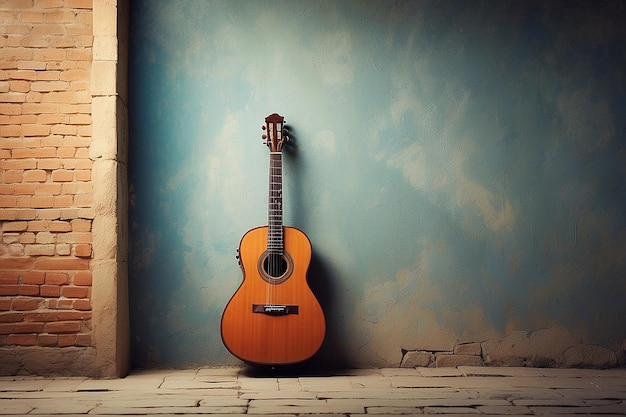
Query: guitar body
[{"x": 273, "y": 320}]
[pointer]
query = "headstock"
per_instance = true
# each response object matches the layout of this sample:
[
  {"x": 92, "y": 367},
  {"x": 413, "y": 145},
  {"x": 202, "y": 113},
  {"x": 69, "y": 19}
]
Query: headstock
[{"x": 276, "y": 135}]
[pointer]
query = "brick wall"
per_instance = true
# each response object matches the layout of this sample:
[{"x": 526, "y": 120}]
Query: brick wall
[{"x": 46, "y": 188}]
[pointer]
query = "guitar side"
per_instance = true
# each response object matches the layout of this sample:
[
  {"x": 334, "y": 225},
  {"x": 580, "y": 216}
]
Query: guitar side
[{"x": 265, "y": 337}]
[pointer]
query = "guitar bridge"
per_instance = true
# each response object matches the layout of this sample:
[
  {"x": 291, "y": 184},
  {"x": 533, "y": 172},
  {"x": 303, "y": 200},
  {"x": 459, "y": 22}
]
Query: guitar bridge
[{"x": 274, "y": 309}]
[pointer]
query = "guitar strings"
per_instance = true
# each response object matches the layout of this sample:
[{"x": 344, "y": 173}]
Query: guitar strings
[{"x": 275, "y": 226}]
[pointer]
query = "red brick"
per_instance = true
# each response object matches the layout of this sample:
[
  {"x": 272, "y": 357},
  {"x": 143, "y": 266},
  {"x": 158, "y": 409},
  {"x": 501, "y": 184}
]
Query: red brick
[
  {"x": 82, "y": 153},
  {"x": 50, "y": 290},
  {"x": 39, "y": 108},
  {"x": 65, "y": 152},
  {"x": 19, "y": 53},
  {"x": 63, "y": 327},
  {"x": 19, "y": 226},
  {"x": 50, "y": 4},
  {"x": 63, "y": 249},
  {"x": 81, "y": 225},
  {"x": 47, "y": 340},
  {"x": 11, "y": 317},
  {"x": 73, "y": 315},
  {"x": 82, "y": 250},
  {"x": 62, "y": 175},
  {"x": 42, "y": 316},
  {"x": 33, "y": 97},
  {"x": 66, "y": 340},
  {"x": 80, "y": 119},
  {"x": 22, "y": 339},
  {"x": 18, "y": 164},
  {"x": 35, "y": 130},
  {"x": 6, "y": 189},
  {"x": 45, "y": 237},
  {"x": 7, "y": 328},
  {"x": 19, "y": 263},
  {"x": 40, "y": 250},
  {"x": 29, "y": 75},
  {"x": 13, "y": 176},
  {"x": 28, "y": 327},
  {"x": 64, "y": 304},
  {"x": 48, "y": 163},
  {"x": 18, "y": 120},
  {"x": 76, "y": 74},
  {"x": 49, "y": 54},
  {"x": 42, "y": 152},
  {"x": 83, "y": 339},
  {"x": 85, "y": 131},
  {"x": 32, "y": 290},
  {"x": 32, "y": 16},
  {"x": 79, "y": 4},
  {"x": 11, "y": 109},
  {"x": 5, "y": 303},
  {"x": 60, "y": 226},
  {"x": 49, "y": 76},
  {"x": 49, "y": 214},
  {"x": 12, "y": 97},
  {"x": 19, "y": 86},
  {"x": 10, "y": 277},
  {"x": 9, "y": 289},
  {"x": 63, "y": 42},
  {"x": 48, "y": 29},
  {"x": 76, "y": 237},
  {"x": 61, "y": 130},
  {"x": 8, "y": 201},
  {"x": 25, "y": 304},
  {"x": 34, "y": 41},
  {"x": 75, "y": 292},
  {"x": 57, "y": 278},
  {"x": 82, "y": 175},
  {"x": 24, "y": 189},
  {"x": 41, "y": 201},
  {"x": 61, "y": 264},
  {"x": 47, "y": 189},
  {"x": 11, "y": 130},
  {"x": 35, "y": 175},
  {"x": 83, "y": 305},
  {"x": 38, "y": 225},
  {"x": 78, "y": 142},
  {"x": 79, "y": 54},
  {"x": 82, "y": 278},
  {"x": 63, "y": 201},
  {"x": 83, "y": 200},
  {"x": 30, "y": 277}
]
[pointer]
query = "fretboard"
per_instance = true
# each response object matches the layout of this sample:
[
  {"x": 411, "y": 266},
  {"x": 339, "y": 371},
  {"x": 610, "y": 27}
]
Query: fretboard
[{"x": 275, "y": 205}]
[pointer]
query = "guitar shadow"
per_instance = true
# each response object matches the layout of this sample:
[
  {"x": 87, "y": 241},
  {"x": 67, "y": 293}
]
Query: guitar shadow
[{"x": 332, "y": 357}]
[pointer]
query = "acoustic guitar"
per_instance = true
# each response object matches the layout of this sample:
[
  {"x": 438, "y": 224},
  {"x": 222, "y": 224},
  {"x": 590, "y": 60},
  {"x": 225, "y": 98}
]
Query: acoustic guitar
[{"x": 274, "y": 318}]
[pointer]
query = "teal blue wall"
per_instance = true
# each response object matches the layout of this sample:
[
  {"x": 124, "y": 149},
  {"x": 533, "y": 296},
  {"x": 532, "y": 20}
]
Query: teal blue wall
[{"x": 459, "y": 167}]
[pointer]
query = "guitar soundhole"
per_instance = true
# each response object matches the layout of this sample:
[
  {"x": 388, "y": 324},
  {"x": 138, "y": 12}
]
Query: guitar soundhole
[
  {"x": 275, "y": 265},
  {"x": 275, "y": 268}
]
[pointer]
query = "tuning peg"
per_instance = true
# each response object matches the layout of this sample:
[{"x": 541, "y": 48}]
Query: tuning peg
[
  {"x": 263, "y": 136},
  {"x": 285, "y": 133},
  {"x": 263, "y": 127}
]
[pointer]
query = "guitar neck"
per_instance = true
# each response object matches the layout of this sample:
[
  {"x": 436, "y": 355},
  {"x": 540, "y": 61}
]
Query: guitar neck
[{"x": 275, "y": 205}]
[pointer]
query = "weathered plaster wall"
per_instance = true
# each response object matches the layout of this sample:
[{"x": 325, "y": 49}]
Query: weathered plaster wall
[{"x": 458, "y": 166}]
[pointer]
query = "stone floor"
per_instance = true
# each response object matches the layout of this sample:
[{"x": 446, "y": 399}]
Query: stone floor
[{"x": 379, "y": 392}]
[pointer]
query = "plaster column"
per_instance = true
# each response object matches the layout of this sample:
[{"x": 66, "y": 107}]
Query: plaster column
[{"x": 110, "y": 192}]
